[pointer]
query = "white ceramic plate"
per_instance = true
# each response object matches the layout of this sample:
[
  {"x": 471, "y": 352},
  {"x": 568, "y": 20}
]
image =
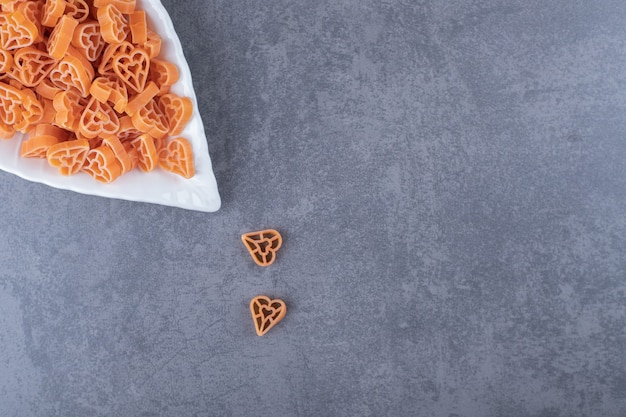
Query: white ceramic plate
[{"x": 159, "y": 186}]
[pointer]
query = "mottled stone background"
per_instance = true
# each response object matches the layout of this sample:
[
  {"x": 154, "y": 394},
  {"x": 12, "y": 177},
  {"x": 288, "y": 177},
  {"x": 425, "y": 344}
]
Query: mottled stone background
[{"x": 450, "y": 179}]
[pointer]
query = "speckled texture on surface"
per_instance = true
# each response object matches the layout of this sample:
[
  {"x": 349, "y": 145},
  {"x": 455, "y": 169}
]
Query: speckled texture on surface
[{"x": 450, "y": 180}]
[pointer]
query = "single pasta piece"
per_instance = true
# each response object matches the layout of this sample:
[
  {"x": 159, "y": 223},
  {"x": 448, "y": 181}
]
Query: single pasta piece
[
  {"x": 124, "y": 6},
  {"x": 98, "y": 119},
  {"x": 102, "y": 165},
  {"x": 178, "y": 111},
  {"x": 71, "y": 75},
  {"x": 110, "y": 51},
  {"x": 52, "y": 12},
  {"x": 17, "y": 32},
  {"x": 69, "y": 157},
  {"x": 263, "y": 245},
  {"x": 31, "y": 66},
  {"x": 33, "y": 10},
  {"x": 88, "y": 40},
  {"x": 61, "y": 37},
  {"x": 113, "y": 24},
  {"x": 148, "y": 158},
  {"x": 164, "y": 74},
  {"x": 139, "y": 27},
  {"x": 177, "y": 157},
  {"x": 77, "y": 9},
  {"x": 266, "y": 313},
  {"x": 121, "y": 155},
  {"x": 132, "y": 68}
]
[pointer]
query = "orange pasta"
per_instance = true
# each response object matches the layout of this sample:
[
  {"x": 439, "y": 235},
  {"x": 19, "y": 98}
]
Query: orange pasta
[
  {"x": 266, "y": 313},
  {"x": 177, "y": 157},
  {"x": 31, "y": 66},
  {"x": 178, "y": 111},
  {"x": 139, "y": 28},
  {"x": 18, "y": 31},
  {"x": 102, "y": 165},
  {"x": 98, "y": 120},
  {"x": 52, "y": 12},
  {"x": 61, "y": 37},
  {"x": 263, "y": 245},
  {"x": 84, "y": 79},
  {"x": 113, "y": 24},
  {"x": 41, "y": 139},
  {"x": 148, "y": 158},
  {"x": 68, "y": 157},
  {"x": 142, "y": 99},
  {"x": 88, "y": 39}
]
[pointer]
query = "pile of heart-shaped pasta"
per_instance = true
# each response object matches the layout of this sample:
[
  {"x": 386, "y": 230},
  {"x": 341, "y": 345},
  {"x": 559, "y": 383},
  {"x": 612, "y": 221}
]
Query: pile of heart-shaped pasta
[{"x": 83, "y": 80}]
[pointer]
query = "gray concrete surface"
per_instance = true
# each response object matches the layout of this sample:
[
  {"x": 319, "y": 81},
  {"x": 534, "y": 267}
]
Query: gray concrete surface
[{"x": 450, "y": 180}]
